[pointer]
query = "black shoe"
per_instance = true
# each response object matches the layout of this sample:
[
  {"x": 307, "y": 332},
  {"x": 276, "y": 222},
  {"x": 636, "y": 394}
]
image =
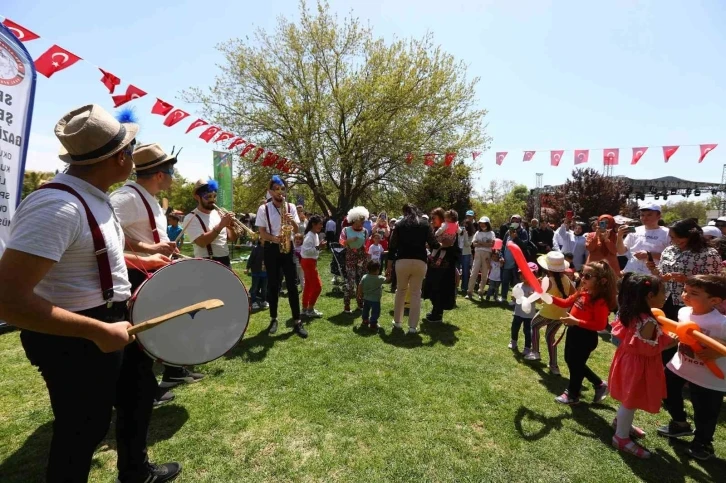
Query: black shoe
[
  {"x": 178, "y": 375},
  {"x": 164, "y": 398},
  {"x": 434, "y": 318},
  {"x": 299, "y": 329},
  {"x": 156, "y": 474},
  {"x": 273, "y": 327},
  {"x": 700, "y": 451},
  {"x": 675, "y": 430}
]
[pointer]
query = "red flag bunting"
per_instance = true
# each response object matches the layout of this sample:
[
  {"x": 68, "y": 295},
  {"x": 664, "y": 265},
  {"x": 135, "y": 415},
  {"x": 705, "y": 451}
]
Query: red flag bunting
[
  {"x": 500, "y": 157},
  {"x": 161, "y": 108},
  {"x": 209, "y": 133},
  {"x": 409, "y": 158},
  {"x": 280, "y": 163},
  {"x": 258, "y": 154},
  {"x": 247, "y": 149},
  {"x": 196, "y": 124},
  {"x": 581, "y": 156},
  {"x": 705, "y": 149},
  {"x": 174, "y": 117},
  {"x": 110, "y": 81},
  {"x": 556, "y": 157},
  {"x": 286, "y": 165},
  {"x": 132, "y": 92},
  {"x": 23, "y": 34},
  {"x": 429, "y": 159},
  {"x": 269, "y": 159},
  {"x": 669, "y": 151},
  {"x": 236, "y": 143},
  {"x": 475, "y": 154},
  {"x": 528, "y": 155},
  {"x": 55, "y": 59},
  {"x": 637, "y": 154},
  {"x": 224, "y": 136},
  {"x": 610, "y": 157},
  {"x": 449, "y": 158}
]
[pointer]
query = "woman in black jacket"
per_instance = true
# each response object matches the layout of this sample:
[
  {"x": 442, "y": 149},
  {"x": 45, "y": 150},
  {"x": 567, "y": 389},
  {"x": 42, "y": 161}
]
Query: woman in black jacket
[
  {"x": 440, "y": 285},
  {"x": 407, "y": 247}
]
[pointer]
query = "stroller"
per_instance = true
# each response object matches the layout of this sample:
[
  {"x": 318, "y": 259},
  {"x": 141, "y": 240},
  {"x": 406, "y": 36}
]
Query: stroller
[{"x": 337, "y": 267}]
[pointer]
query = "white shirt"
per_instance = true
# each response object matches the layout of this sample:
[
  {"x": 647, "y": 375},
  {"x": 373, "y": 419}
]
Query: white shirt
[
  {"x": 691, "y": 368},
  {"x": 195, "y": 230},
  {"x": 52, "y": 224},
  {"x": 375, "y": 251},
  {"x": 655, "y": 240},
  {"x": 483, "y": 236},
  {"x": 275, "y": 219},
  {"x": 330, "y": 225},
  {"x": 495, "y": 273},
  {"x": 567, "y": 242},
  {"x": 133, "y": 216},
  {"x": 310, "y": 246}
]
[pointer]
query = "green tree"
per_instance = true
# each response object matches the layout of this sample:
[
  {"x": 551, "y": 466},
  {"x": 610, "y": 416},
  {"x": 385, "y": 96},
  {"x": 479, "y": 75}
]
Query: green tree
[
  {"x": 32, "y": 180},
  {"x": 345, "y": 106},
  {"x": 500, "y": 201},
  {"x": 680, "y": 210},
  {"x": 448, "y": 187},
  {"x": 588, "y": 193}
]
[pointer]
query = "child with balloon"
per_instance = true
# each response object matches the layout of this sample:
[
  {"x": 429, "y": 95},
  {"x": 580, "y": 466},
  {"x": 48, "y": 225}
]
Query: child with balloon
[{"x": 522, "y": 317}]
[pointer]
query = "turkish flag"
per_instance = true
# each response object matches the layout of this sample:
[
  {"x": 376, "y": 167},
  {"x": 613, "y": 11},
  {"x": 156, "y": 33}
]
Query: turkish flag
[
  {"x": 409, "y": 158},
  {"x": 581, "y": 156},
  {"x": 236, "y": 143},
  {"x": 269, "y": 159},
  {"x": 175, "y": 116},
  {"x": 209, "y": 133},
  {"x": 286, "y": 165},
  {"x": 429, "y": 159},
  {"x": 258, "y": 154},
  {"x": 110, "y": 81},
  {"x": 132, "y": 92},
  {"x": 224, "y": 136},
  {"x": 528, "y": 155},
  {"x": 55, "y": 59},
  {"x": 637, "y": 154},
  {"x": 500, "y": 157},
  {"x": 705, "y": 149},
  {"x": 610, "y": 157},
  {"x": 161, "y": 108},
  {"x": 280, "y": 163},
  {"x": 196, "y": 124},
  {"x": 669, "y": 151},
  {"x": 556, "y": 157},
  {"x": 247, "y": 149},
  {"x": 475, "y": 154},
  {"x": 23, "y": 34},
  {"x": 449, "y": 158}
]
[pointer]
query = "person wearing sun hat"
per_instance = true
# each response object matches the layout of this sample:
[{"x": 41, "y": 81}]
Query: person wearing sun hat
[
  {"x": 67, "y": 290},
  {"x": 549, "y": 315}
]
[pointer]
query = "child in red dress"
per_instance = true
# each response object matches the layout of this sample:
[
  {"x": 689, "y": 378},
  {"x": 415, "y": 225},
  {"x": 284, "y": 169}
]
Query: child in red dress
[{"x": 636, "y": 376}]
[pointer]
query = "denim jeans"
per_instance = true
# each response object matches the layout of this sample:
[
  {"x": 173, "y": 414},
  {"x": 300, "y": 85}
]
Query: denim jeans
[
  {"x": 258, "y": 291},
  {"x": 509, "y": 279},
  {"x": 371, "y": 311}
]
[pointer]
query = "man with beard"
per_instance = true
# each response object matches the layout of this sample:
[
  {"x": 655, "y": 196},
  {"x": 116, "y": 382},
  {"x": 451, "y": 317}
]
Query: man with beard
[{"x": 208, "y": 230}]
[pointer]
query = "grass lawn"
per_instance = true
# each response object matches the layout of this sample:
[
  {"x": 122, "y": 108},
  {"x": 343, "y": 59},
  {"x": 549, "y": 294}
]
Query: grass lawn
[{"x": 450, "y": 404}]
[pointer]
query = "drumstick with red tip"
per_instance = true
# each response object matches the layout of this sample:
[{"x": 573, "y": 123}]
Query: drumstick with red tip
[{"x": 191, "y": 309}]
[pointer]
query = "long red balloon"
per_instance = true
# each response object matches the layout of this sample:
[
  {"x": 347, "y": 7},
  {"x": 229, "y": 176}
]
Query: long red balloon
[{"x": 530, "y": 277}]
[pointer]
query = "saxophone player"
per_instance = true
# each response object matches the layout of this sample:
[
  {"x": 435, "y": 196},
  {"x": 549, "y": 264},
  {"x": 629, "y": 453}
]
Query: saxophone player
[{"x": 275, "y": 218}]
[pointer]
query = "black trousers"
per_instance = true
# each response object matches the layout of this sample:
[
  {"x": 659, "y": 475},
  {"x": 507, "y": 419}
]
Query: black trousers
[
  {"x": 706, "y": 406},
  {"x": 84, "y": 384},
  {"x": 578, "y": 346},
  {"x": 277, "y": 263}
]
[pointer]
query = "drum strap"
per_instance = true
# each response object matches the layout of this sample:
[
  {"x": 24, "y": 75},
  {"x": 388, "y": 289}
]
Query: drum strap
[
  {"x": 99, "y": 244},
  {"x": 150, "y": 214},
  {"x": 204, "y": 228}
]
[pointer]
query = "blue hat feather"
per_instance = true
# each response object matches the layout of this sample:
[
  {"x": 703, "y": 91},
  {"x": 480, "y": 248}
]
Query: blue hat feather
[
  {"x": 127, "y": 115},
  {"x": 212, "y": 185},
  {"x": 277, "y": 180}
]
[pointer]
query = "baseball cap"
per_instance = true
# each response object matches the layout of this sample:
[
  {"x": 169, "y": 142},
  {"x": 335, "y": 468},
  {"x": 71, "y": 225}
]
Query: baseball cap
[
  {"x": 712, "y": 231},
  {"x": 484, "y": 219},
  {"x": 721, "y": 218},
  {"x": 650, "y": 207},
  {"x": 470, "y": 213}
]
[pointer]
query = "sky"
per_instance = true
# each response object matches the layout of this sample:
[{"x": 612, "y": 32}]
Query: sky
[{"x": 553, "y": 74}]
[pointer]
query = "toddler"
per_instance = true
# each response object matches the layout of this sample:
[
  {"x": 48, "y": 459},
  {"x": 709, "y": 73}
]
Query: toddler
[{"x": 370, "y": 290}]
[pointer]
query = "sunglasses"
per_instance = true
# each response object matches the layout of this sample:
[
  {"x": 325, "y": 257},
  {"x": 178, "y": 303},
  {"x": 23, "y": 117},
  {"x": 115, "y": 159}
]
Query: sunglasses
[
  {"x": 170, "y": 171},
  {"x": 210, "y": 195}
]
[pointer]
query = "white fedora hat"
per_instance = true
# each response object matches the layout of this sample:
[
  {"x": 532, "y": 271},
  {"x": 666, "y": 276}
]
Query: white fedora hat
[
  {"x": 89, "y": 135},
  {"x": 554, "y": 262},
  {"x": 148, "y": 156}
]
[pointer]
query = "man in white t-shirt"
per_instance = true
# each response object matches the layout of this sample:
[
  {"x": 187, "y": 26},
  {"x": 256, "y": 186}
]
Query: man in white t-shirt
[
  {"x": 67, "y": 289},
  {"x": 644, "y": 242},
  {"x": 269, "y": 221},
  {"x": 208, "y": 230}
]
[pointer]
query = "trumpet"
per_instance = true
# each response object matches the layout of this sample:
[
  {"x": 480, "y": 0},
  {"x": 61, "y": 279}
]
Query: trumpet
[{"x": 237, "y": 226}]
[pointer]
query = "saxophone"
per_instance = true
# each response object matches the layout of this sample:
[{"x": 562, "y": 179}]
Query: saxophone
[{"x": 285, "y": 232}]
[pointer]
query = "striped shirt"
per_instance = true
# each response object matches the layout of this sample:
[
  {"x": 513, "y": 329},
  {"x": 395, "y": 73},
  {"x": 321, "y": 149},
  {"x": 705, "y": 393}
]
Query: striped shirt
[{"x": 52, "y": 224}]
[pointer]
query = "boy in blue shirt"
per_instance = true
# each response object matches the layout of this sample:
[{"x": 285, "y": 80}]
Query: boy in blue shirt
[{"x": 370, "y": 289}]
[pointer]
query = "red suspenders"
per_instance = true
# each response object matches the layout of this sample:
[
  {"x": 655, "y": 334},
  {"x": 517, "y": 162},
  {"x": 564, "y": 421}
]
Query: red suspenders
[
  {"x": 204, "y": 229},
  {"x": 152, "y": 220}
]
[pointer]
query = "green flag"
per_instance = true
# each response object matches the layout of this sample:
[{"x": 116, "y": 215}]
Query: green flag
[{"x": 223, "y": 176}]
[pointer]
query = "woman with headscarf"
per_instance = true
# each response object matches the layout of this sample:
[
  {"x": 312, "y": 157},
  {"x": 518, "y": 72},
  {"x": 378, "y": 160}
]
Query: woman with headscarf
[
  {"x": 353, "y": 238},
  {"x": 440, "y": 283},
  {"x": 601, "y": 243},
  {"x": 407, "y": 247}
]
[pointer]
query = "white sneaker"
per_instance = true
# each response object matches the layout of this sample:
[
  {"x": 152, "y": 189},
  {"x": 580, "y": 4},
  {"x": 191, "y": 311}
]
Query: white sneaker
[
  {"x": 265, "y": 305},
  {"x": 532, "y": 356},
  {"x": 396, "y": 326},
  {"x": 513, "y": 345},
  {"x": 499, "y": 300},
  {"x": 412, "y": 331},
  {"x": 255, "y": 306},
  {"x": 314, "y": 314}
]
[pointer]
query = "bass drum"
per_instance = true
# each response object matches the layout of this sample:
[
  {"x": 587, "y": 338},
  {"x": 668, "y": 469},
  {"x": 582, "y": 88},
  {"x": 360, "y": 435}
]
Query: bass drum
[{"x": 191, "y": 338}]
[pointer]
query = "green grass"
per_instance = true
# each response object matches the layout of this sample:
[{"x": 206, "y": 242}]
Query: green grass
[{"x": 450, "y": 404}]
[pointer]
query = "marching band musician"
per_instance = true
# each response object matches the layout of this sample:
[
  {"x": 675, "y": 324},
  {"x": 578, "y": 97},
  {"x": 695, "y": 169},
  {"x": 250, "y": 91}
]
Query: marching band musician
[
  {"x": 209, "y": 230},
  {"x": 144, "y": 224},
  {"x": 269, "y": 221},
  {"x": 67, "y": 290}
]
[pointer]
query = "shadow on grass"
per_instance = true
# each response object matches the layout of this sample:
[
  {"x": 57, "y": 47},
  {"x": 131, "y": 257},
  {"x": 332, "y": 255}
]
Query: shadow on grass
[
  {"x": 343, "y": 319},
  {"x": 440, "y": 332},
  {"x": 255, "y": 348},
  {"x": 366, "y": 331},
  {"x": 399, "y": 338},
  {"x": 28, "y": 463}
]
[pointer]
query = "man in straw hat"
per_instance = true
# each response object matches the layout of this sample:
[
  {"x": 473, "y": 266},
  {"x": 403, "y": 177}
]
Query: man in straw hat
[
  {"x": 209, "y": 230},
  {"x": 67, "y": 290},
  {"x": 144, "y": 224}
]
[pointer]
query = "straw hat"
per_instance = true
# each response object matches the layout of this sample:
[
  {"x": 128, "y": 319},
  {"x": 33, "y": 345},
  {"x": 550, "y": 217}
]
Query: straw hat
[
  {"x": 554, "y": 262},
  {"x": 148, "y": 156},
  {"x": 89, "y": 135}
]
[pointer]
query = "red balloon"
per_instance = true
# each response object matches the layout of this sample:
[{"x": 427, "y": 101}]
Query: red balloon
[
  {"x": 528, "y": 275},
  {"x": 497, "y": 244}
]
